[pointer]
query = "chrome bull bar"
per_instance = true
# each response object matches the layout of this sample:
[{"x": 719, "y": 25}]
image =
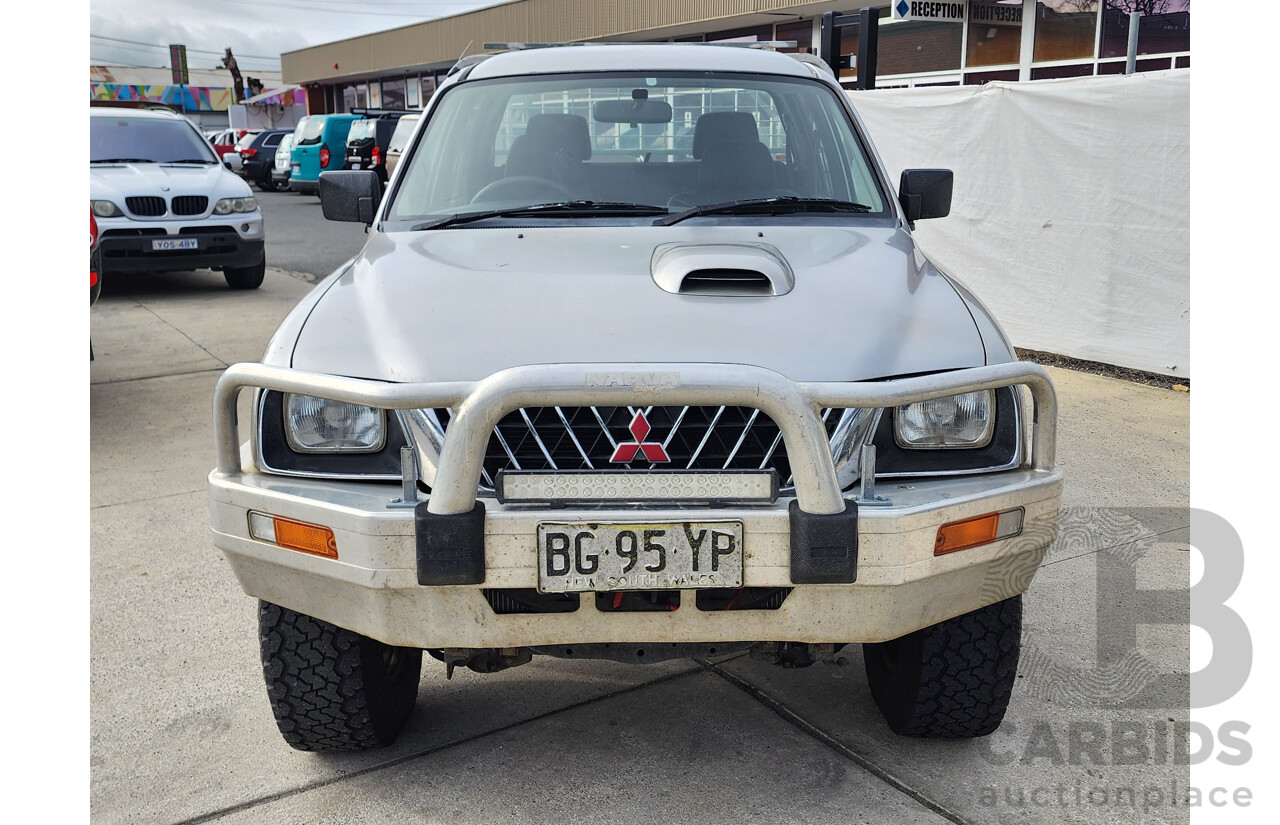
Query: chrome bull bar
[{"x": 479, "y": 405}]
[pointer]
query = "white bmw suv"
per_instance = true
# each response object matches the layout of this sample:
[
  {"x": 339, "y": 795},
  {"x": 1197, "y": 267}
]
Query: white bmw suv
[{"x": 164, "y": 202}]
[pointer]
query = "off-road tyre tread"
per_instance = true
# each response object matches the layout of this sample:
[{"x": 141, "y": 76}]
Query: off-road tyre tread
[
  {"x": 953, "y": 680},
  {"x": 328, "y": 687}
]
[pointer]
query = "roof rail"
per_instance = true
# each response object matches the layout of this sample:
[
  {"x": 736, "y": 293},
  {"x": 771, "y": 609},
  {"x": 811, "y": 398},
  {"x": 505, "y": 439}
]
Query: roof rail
[
  {"x": 381, "y": 112},
  {"x": 766, "y": 45},
  {"x": 812, "y": 60},
  {"x": 464, "y": 62}
]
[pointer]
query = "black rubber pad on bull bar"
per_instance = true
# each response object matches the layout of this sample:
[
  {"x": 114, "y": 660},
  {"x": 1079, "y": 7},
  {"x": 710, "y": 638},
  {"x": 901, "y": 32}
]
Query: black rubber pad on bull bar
[
  {"x": 450, "y": 548},
  {"x": 824, "y": 548}
]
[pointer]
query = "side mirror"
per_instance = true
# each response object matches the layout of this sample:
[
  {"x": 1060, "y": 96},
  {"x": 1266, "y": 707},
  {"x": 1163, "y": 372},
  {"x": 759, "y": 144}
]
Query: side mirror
[
  {"x": 925, "y": 193},
  {"x": 227, "y": 164},
  {"x": 350, "y": 195}
]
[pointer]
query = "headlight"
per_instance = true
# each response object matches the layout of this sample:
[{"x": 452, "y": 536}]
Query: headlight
[
  {"x": 228, "y": 205},
  {"x": 956, "y": 421},
  {"x": 105, "y": 209},
  {"x": 317, "y": 425}
]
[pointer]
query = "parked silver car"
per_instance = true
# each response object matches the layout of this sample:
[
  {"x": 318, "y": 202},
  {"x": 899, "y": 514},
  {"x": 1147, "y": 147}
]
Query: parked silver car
[
  {"x": 163, "y": 201},
  {"x": 640, "y": 361},
  {"x": 281, "y": 165}
]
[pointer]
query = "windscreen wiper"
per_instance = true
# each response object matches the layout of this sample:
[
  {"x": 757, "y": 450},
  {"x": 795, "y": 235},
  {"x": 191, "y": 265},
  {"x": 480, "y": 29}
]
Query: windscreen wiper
[
  {"x": 201, "y": 161},
  {"x": 769, "y": 206},
  {"x": 122, "y": 160},
  {"x": 566, "y": 207}
]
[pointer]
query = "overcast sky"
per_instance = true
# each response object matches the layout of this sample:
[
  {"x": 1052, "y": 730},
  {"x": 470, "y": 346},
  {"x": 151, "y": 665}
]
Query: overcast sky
[{"x": 256, "y": 30}]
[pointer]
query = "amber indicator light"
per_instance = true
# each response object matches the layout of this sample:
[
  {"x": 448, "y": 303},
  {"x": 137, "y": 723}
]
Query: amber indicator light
[
  {"x": 961, "y": 535},
  {"x": 307, "y": 538}
]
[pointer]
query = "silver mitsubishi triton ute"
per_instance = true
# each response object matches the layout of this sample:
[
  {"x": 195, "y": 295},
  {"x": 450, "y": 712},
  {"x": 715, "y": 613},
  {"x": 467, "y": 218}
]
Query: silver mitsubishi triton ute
[{"x": 640, "y": 362}]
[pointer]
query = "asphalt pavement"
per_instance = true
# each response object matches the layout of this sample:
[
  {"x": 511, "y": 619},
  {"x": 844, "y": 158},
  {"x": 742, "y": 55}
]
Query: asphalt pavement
[
  {"x": 300, "y": 241},
  {"x": 181, "y": 730}
]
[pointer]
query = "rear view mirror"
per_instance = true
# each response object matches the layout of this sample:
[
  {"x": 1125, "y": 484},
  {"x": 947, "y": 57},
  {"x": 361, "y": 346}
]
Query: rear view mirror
[
  {"x": 350, "y": 195},
  {"x": 925, "y": 193},
  {"x": 632, "y": 111}
]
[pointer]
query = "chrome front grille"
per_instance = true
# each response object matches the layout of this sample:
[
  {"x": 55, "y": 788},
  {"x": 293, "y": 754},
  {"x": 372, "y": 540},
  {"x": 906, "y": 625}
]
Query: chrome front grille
[{"x": 598, "y": 438}]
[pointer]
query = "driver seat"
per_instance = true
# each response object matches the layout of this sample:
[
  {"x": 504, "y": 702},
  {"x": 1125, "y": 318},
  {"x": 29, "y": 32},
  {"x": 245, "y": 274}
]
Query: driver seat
[{"x": 553, "y": 147}]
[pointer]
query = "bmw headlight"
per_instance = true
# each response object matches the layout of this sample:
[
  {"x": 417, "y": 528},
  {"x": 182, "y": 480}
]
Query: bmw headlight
[
  {"x": 105, "y": 209},
  {"x": 957, "y": 421},
  {"x": 318, "y": 425},
  {"x": 228, "y": 205}
]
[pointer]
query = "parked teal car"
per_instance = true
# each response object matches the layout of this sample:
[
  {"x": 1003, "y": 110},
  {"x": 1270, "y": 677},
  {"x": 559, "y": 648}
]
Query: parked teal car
[{"x": 319, "y": 146}]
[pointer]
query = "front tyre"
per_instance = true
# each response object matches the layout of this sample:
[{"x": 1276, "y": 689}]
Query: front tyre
[
  {"x": 245, "y": 277},
  {"x": 951, "y": 680},
  {"x": 332, "y": 689}
]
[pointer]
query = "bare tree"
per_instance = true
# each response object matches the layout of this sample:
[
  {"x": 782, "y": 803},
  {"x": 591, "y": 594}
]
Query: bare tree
[
  {"x": 1146, "y": 7},
  {"x": 229, "y": 63},
  {"x": 1126, "y": 6}
]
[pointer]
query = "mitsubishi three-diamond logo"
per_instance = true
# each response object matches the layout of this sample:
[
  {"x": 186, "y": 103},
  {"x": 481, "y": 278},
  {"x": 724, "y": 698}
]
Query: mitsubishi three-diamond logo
[{"x": 653, "y": 452}]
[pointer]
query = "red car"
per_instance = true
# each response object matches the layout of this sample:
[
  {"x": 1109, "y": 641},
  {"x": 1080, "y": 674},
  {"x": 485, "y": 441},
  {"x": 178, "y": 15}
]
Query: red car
[
  {"x": 95, "y": 261},
  {"x": 224, "y": 141}
]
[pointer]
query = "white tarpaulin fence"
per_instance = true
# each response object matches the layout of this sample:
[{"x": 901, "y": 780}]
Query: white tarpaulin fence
[{"x": 1071, "y": 212}]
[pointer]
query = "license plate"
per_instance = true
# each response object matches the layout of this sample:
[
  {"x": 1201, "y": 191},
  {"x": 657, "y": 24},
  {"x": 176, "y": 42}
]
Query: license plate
[
  {"x": 170, "y": 244},
  {"x": 355, "y": 164},
  {"x": 582, "y": 557}
]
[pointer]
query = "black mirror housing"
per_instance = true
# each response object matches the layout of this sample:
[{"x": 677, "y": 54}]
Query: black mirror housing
[
  {"x": 925, "y": 193},
  {"x": 350, "y": 195},
  {"x": 634, "y": 111}
]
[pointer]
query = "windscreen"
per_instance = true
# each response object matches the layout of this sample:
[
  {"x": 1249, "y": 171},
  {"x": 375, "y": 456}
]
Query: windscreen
[
  {"x": 145, "y": 140},
  {"x": 361, "y": 130},
  {"x": 669, "y": 141},
  {"x": 309, "y": 132},
  {"x": 400, "y": 137}
]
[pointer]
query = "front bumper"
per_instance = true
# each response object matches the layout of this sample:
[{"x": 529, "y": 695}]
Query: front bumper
[
  {"x": 234, "y": 240},
  {"x": 373, "y": 587}
]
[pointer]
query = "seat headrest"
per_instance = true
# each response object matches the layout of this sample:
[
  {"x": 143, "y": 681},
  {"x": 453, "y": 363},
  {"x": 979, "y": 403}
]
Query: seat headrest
[
  {"x": 565, "y": 131},
  {"x": 719, "y": 127}
]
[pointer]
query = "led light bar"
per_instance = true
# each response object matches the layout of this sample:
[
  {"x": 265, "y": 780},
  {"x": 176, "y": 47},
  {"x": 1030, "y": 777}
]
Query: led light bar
[{"x": 654, "y": 486}]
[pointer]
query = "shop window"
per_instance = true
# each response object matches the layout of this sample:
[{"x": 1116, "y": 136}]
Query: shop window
[
  {"x": 393, "y": 94},
  {"x": 1151, "y": 64},
  {"x": 801, "y": 32},
  {"x": 918, "y": 46},
  {"x": 749, "y": 35},
  {"x": 1050, "y": 72},
  {"x": 978, "y": 78},
  {"x": 349, "y": 97},
  {"x": 1065, "y": 29},
  {"x": 995, "y": 33},
  {"x": 1165, "y": 26}
]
